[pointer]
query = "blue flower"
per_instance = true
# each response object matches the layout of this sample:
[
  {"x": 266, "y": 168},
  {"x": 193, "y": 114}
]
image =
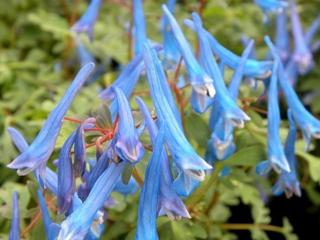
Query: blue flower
[
  {"x": 302, "y": 54},
  {"x": 309, "y": 125},
  {"x": 40, "y": 150},
  {"x": 88, "y": 19},
  {"x": 170, "y": 46},
  {"x": 282, "y": 40},
  {"x": 229, "y": 109},
  {"x": 276, "y": 156},
  {"x": 253, "y": 68},
  {"x": 51, "y": 178},
  {"x": 169, "y": 202},
  {"x": 80, "y": 147},
  {"x": 78, "y": 223},
  {"x": 311, "y": 32},
  {"x": 184, "y": 156},
  {"x": 83, "y": 54},
  {"x": 221, "y": 145},
  {"x": 268, "y": 6},
  {"x": 127, "y": 144},
  {"x": 15, "y": 222},
  {"x": 52, "y": 229},
  {"x": 199, "y": 80},
  {"x": 288, "y": 181},
  {"x": 66, "y": 177},
  {"x": 148, "y": 201},
  {"x": 139, "y": 28}
]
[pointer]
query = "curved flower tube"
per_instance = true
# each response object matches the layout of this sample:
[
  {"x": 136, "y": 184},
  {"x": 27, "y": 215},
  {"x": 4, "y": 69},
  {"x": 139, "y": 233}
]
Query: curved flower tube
[
  {"x": 51, "y": 178},
  {"x": 52, "y": 229},
  {"x": 276, "y": 156},
  {"x": 288, "y": 181},
  {"x": 253, "y": 68},
  {"x": 302, "y": 54},
  {"x": 169, "y": 202},
  {"x": 139, "y": 27},
  {"x": 309, "y": 125},
  {"x": 15, "y": 222},
  {"x": 199, "y": 80},
  {"x": 80, "y": 147},
  {"x": 221, "y": 145},
  {"x": 41, "y": 148},
  {"x": 148, "y": 201},
  {"x": 66, "y": 176},
  {"x": 127, "y": 144},
  {"x": 311, "y": 32},
  {"x": 78, "y": 223},
  {"x": 87, "y": 21},
  {"x": 171, "y": 51},
  {"x": 228, "y": 106},
  {"x": 183, "y": 154},
  {"x": 282, "y": 40}
]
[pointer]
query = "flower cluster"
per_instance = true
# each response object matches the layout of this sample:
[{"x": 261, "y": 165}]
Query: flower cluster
[{"x": 83, "y": 185}]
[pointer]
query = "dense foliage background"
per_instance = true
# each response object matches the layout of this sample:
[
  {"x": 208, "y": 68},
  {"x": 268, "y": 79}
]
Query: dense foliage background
[{"x": 38, "y": 60}]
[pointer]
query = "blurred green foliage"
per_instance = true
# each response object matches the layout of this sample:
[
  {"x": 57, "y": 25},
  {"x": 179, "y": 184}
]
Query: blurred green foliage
[{"x": 38, "y": 61}]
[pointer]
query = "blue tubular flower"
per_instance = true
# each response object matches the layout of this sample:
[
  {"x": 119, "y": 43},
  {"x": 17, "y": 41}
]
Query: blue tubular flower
[
  {"x": 51, "y": 178},
  {"x": 171, "y": 51},
  {"x": 83, "y": 54},
  {"x": 288, "y": 181},
  {"x": 311, "y": 32},
  {"x": 80, "y": 147},
  {"x": 41, "y": 148},
  {"x": 271, "y": 5},
  {"x": 309, "y": 125},
  {"x": 66, "y": 178},
  {"x": 127, "y": 144},
  {"x": 51, "y": 228},
  {"x": 15, "y": 222},
  {"x": 282, "y": 40},
  {"x": 302, "y": 54},
  {"x": 184, "y": 156},
  {"x": 148, "y": 201},
  {"x": 169, "y": 202},
  {"x": 78, "y": 223},
  {"x": 245, "y": 42},
  {"x": 88, "y": 19},
  {"x": 276, "y": 156},
  {"x": 229, "y": 108},
  {"x": 253, "y": 68},
  {"x": 199, "y": 80},
  {"x": 139, "y": 29}
]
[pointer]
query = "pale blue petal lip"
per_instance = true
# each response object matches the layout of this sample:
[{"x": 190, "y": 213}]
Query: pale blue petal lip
[
  {"x": 43, "y": 145},
  {"x": 169, "y": 203},
  {"x": 51, "y": 178},
  {"x": 309, "y": 125},
  {"x": 271, "y": 5},
  {"x": 88, "y": 19},
  {"x": 78, "y": 223},
  {"x": 15, "y": 223},
  {"x": 253, "y": 68},
  {"x": 229, "y": 108},
  {"x": 148, "y": 201},
  {"x": 139, "y": 30},
  {"x": 183, "y": 154},
  {"x": 200, "y": 81}
]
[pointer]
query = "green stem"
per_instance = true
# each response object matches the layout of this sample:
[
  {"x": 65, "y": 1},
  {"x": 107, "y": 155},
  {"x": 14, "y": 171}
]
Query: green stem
[{"x": 250, "y": 226}]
